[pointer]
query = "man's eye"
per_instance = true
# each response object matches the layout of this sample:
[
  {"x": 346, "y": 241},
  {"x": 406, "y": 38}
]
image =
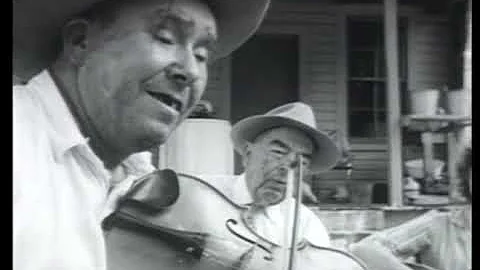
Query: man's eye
[
  {"x": 165, "y": 40},
  {"x": 202, "y": 55},
  {"x": 278, "y": 152},
  {"x": 306, "y": 161},
  {"x": 200, "y": 58},
  {"x": 165, "y": 37}
]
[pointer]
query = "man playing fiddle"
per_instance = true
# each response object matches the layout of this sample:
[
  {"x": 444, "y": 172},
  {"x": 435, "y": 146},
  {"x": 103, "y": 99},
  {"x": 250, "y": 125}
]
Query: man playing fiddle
[{"x": 97, "y": 82}]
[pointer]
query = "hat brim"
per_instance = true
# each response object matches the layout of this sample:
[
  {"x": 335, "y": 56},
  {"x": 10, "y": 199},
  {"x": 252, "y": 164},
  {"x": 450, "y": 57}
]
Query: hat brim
[
  {"x": 237, "y": 21},
  {"x": 36, "y": 28},
  {"x": 246, "y": 130}
]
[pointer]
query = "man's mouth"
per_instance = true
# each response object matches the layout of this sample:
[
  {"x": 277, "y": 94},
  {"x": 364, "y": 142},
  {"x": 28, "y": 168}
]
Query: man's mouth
[
  {"x": 275, "y": 185},
  {"x": 168, "y": 100}
]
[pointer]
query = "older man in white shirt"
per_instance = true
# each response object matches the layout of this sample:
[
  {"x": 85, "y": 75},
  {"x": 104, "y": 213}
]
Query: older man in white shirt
[
  {"x": 269, "y": 145},
  {"x": 96, "y": 82}
]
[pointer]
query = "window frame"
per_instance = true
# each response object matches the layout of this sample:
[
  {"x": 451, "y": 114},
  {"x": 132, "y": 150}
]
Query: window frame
[{"x": 379, "y": 135}]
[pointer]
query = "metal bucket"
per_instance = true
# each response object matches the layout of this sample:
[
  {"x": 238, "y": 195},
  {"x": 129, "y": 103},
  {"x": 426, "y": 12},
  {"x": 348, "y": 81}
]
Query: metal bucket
[
  {"x": 459, "y": 103},
  {"x": 424, "y": 102}
]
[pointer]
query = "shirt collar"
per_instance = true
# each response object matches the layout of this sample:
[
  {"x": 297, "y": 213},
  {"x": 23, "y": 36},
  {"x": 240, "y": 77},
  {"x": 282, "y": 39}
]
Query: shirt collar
[
  {"x": 65, "y": 131},
  {"x": 241, "y": 194}
]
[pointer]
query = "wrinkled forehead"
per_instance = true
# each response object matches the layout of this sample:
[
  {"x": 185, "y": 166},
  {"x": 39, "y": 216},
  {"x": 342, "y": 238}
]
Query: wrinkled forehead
[{"x": 289, "y": 136}]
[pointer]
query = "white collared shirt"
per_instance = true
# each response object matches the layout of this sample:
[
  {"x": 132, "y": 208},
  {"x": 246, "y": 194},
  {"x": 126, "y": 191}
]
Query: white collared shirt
[
  {"x": 59, "y": 185},
  {"x": 270, "y": 223}
]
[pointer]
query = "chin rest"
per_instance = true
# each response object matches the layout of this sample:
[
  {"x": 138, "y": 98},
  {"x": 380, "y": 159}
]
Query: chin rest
[{"x": 153, "y": 192}]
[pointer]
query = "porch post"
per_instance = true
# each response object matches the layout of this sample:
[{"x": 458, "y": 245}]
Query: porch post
[
  {"x": 393, "y": 103},
  {"x": 467, "y": 66}
]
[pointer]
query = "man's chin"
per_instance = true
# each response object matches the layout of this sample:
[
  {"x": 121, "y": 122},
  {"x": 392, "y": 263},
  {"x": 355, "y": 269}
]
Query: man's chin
[
  {"x": 268, "y": 198},
  {"x": 159, "y": 133},
  {"x": 153, "y": 139}
]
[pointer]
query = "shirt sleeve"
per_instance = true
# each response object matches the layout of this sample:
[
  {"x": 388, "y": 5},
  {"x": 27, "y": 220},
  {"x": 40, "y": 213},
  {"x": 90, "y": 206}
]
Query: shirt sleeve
[
  {"x": 409, "y": 238},
  {"x": 27, "y": 133}
]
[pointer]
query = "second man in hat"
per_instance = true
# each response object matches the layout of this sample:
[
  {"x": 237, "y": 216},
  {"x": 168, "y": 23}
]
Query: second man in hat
[{"x": 269, "y": 145}]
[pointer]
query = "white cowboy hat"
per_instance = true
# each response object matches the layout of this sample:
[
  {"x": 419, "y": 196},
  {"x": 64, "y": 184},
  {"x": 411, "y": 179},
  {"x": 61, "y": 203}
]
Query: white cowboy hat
[
  {"x": 298, "y": 115},
  {"x": 36, "y": 28}
]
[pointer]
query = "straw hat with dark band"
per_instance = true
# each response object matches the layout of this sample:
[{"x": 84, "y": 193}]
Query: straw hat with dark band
[
  {"x": 37, "y": 24},
  {"x": 297, "y": 115}
]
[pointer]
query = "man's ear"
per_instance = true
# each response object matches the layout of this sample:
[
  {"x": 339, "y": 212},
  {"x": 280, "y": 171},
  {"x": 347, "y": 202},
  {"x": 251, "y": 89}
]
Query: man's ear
[{"x": 74, "y": 38}]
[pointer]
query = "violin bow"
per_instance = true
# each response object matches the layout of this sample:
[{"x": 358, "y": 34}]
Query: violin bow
[{"x": 293, "y": 189}]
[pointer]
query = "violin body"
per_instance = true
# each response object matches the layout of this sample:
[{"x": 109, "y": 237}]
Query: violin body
[{"x": 200, "y": 229}]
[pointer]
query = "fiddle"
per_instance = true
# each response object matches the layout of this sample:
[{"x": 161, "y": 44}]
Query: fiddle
[
  {"x": 197, "y": 227},
  {"x": 202, "y": 229}
]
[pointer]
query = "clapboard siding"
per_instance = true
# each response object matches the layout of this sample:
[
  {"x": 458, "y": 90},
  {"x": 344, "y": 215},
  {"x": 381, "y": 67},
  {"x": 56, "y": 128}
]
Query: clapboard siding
[
  {"x": 324, "y": 93},
  {"x": 429, "y": 53},
  {"x": 321, "y": 62},
  {"x": 320, "y": 14}
]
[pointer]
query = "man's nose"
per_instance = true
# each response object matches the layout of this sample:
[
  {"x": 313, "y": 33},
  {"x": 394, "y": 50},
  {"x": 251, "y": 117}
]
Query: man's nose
[
  {"x": 292, "y": 160},
  {"x": 184, "y": 71},
  {"x": 289, "y": 162}
]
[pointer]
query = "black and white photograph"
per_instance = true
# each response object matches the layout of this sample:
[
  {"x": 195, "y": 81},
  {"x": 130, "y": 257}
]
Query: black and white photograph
[{"x": 242, "y": 135}]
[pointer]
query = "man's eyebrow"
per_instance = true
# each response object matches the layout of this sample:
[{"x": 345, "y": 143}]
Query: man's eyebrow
[
  {"x": 283, "y": 145},
  {"x": 178, "y": 18}
]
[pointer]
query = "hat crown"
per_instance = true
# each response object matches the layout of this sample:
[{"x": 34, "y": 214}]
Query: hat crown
[{"x": 297, "y": 111}]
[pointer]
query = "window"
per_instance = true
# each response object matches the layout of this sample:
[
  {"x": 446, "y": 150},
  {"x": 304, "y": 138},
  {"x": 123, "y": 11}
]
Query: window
[{"x": 367, "y": 109}]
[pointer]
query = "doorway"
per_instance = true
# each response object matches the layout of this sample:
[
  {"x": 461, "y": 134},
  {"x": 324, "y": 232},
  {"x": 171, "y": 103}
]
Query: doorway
[{"x": 265, "y": 74}]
